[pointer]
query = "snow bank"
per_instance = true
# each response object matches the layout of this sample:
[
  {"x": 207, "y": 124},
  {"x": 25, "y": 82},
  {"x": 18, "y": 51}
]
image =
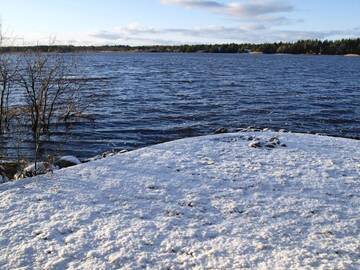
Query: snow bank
[{"x": 204, "y": 203}]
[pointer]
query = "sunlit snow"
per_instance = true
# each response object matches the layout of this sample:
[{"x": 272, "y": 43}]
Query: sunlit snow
[{"x": 211, "y": 202}]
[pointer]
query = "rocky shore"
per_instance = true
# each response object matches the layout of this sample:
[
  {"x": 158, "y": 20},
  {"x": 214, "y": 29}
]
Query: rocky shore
[{"x": 16, "y": 170}]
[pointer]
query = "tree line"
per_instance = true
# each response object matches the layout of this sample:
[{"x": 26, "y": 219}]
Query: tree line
[{"x": 319, "y": 47}]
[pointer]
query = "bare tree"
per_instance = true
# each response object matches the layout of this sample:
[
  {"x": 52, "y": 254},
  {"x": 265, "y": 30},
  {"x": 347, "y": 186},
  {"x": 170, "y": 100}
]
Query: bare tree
[
  {"x": 50, "y": 93},
  {"x": 8, "y": 70},
  {"x": 45, "y": 95}
]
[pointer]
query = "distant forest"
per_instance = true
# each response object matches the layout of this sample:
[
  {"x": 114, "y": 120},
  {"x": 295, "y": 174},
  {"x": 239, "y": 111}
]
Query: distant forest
[{"x": 337, "y": 47}]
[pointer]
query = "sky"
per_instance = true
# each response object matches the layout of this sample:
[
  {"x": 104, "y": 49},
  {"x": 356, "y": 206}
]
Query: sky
[{"x": 173, "y": 22}]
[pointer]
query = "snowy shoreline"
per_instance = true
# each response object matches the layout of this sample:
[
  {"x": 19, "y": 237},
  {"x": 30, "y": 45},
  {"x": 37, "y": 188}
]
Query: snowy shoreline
[{"x": 212, "y": 202}]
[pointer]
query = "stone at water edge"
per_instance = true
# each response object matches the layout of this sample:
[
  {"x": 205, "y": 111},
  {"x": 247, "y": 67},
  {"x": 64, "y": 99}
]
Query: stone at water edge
[
  {"x": 251, "y": 129},
  {"x": 275, "y": 140},
  {"x": 256, "y": 144},
  {"x": 107, "y": 154},
  {"x": 8, "y": 169},
  {"x": 221, "y": 131},
  {"x": 29, "y": 171},
  {"x": 67, "y": 161},
  {"x": 3, "y": 178},
  {"x": 271, "y": 143}
]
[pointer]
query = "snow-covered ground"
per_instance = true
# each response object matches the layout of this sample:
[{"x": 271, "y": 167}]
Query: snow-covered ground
[{"x": 203, "y": 203}]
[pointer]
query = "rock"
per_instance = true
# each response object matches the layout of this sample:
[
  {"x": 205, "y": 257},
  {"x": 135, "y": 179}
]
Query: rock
[
  {"x": 113, "y": 153},
  {"x": 3, "y": 178},
  {"x": 67, "y": 161},
  {"x": 275, "y": 140},
  {"x": 9, "y": 168},
  {"x": 107, "y": 154},
  {"x": 29, "y": 171},
  {"x": 256, "y": 144},
  {"x": 19, "y": 175},
  {"x": 221, "y": 131},
  {"x": 251, "y": 129},
  {"x": 270, "y": 145}
]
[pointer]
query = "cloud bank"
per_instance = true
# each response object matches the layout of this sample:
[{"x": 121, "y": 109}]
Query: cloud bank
[
  {"x": 249, "y": 10},
  {"x": 213, "y": 34},
  {"x": 246, "y": 21}
]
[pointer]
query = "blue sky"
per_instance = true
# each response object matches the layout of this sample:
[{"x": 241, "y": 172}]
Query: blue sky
[{"x": 144, "y": 22}]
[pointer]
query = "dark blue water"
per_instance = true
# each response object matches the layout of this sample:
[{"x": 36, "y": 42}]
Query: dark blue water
[{"x": 144, "y": 99}]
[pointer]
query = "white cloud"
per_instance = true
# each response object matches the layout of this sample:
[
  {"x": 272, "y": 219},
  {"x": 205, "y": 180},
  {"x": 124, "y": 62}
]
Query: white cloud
[
  {"x": 254, "y": 33},
  {"x": 136, "y": 34},
  {"x": 194, "y": 3},
  {"x": 246, "y": 10}
]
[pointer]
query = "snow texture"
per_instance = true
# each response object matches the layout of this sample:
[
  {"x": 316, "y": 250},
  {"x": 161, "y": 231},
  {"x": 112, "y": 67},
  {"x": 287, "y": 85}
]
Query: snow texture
[
  {"x": 210, "y": 202},
  {"x": 70, "y": 159}
]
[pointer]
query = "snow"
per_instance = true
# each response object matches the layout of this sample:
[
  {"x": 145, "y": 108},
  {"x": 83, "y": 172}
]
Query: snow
[
  {"x": 70, "y": 159},
  {"x": 210, "y": 202},
  {"x": 42, "y": 167}
]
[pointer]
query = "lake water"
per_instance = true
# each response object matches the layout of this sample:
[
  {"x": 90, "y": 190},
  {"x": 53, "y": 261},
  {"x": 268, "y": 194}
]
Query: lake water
[{"x": 144, "y": 99}]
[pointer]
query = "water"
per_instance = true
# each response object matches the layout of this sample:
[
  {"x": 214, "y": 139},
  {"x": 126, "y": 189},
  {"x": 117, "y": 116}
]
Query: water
[{"x": 144, "y": 99}]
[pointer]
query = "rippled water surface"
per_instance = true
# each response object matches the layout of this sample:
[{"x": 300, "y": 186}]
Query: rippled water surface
[{"x": 144, "y": 99}]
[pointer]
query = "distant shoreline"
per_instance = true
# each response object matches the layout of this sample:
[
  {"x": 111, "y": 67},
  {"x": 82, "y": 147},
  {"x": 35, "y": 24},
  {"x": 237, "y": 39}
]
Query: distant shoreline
[
  {"x": 174, "y": 52},
  {"x": 346, "y": 47}
]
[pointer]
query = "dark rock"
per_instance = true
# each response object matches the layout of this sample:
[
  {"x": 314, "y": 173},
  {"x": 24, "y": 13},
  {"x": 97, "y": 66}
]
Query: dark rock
[
  {"x": 241, "y": 130},
  {"x": 221, "y": 131},
  {"x": 113, "y": 153},
  {"x": 107, "y": 154},
  {"x": 270, "y": 145},
  {"x": 8, "y": 169},
  {"x": 252, "y": 129},
  {"x": 256, "y": 144},
  {"x": 30, "y": 171},
  {"x": 275, "y": 140},
  {"x": 3, "y": 179},
  {"x": 67, "y": 161}
]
